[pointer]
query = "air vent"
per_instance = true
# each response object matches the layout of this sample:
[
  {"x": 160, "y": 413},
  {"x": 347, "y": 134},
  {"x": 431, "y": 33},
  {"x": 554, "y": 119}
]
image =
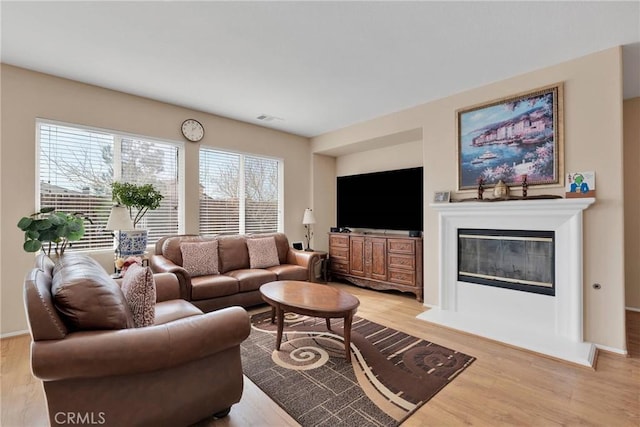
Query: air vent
[{"x": 268, "y": 118}]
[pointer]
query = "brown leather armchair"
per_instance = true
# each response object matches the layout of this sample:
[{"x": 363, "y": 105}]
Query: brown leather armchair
[{"x": 183, "y": 368}]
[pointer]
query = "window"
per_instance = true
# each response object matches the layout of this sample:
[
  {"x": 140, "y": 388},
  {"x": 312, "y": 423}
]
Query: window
[
  {"x": 77, "y": 166},
  {"x": 239, "y": 193}
]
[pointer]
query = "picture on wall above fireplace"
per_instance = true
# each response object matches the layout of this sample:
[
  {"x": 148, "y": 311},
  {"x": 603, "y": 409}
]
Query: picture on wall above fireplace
[{"x": 512, "y": 138}]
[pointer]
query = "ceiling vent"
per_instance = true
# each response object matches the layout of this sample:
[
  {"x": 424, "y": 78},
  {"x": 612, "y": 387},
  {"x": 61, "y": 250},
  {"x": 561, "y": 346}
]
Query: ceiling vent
[{"x": 268, "y": 118}]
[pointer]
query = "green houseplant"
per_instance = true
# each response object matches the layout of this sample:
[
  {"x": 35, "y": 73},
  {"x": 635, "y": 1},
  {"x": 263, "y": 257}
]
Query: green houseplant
[
  {"x": 142, "y": 198},
  {"x": 48, "y": 229},
  {"x": 139, "y": 199}
]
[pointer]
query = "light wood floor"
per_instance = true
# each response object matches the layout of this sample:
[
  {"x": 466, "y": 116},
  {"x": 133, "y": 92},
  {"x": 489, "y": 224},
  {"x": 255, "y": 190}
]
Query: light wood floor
[{"x": 504, "y": 386}]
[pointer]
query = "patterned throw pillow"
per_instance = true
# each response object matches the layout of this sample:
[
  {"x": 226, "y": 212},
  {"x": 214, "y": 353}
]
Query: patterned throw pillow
[
  {"x": 262, "y": 252},
  {"x": 200, "y": 258},
  {"x": 139, "y": 289}
]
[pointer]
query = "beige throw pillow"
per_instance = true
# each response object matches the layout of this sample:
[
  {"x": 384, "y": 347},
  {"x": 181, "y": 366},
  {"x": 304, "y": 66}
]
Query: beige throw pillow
[
  {"x": 200, "y": 258},
  {"x": 262, "y": 252},
  {"x": 139, "y": 289}
]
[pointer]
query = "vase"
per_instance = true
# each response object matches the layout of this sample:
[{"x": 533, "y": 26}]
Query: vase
[
  {"x": 501, "y": 191},
  {"x": 133, "y": 242}
]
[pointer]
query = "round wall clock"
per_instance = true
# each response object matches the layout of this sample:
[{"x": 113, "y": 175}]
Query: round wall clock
[{"x": 192, "y": 130}]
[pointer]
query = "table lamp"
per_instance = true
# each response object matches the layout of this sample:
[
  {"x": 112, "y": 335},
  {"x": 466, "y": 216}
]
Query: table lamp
[
  {"x": 119, "y": 219},
  {"x": 307, "y": 220}
]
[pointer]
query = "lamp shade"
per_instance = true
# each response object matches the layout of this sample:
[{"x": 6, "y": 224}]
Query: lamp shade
[
  {"x": 308, "y": 217},
  {"x": 119, "y": 219}
]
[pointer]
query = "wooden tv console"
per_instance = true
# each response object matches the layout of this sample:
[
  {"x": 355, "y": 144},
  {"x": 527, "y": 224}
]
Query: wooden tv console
[{"x": 377, "y": 261}]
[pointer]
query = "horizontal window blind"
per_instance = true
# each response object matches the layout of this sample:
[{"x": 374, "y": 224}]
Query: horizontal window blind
[
  {"x": 261, "y": 194},
  {"x": 77, "y": 167},
  {"x": 238, "y": 193},
  {"x": 76, "y": 170},
  {"x": 146, "y": 162}
]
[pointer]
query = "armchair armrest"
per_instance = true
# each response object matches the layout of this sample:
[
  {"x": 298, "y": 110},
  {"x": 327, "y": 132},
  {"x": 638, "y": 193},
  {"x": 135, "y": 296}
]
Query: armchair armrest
[
  {"x": 167, "y": 286},
  {"x": 94, "y": 354},
  {"x": 160, "y": 264}
]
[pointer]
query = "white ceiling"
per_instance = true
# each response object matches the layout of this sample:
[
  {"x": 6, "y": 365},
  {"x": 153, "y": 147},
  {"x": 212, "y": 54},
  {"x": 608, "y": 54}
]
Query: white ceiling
[{"x": 319, "y": 66}]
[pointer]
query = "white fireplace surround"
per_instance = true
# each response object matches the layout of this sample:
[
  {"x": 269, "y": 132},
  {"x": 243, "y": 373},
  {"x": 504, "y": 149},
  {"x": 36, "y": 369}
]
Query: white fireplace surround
[{"x": 550, "y": 325}]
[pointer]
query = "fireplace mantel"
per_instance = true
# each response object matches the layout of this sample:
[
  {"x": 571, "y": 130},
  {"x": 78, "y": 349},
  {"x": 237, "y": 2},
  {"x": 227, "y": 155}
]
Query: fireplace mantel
[{"x": 551, "y": 325}]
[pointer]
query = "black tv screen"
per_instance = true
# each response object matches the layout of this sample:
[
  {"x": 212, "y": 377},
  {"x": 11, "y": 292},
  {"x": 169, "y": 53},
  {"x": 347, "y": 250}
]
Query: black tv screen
[{"x": 390, "y": 200}]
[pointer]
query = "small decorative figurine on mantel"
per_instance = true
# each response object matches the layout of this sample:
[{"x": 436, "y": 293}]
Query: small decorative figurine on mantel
[
  {"x": 501, "y": 191},
  {"x": 480, "y": 188},
  {"x": 525, "y": 186}
]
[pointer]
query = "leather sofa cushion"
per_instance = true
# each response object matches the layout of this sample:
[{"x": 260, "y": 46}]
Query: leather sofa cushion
[
  {"x": 139, "y": 290},
  {"x": 233, "y": 253},
  {"x": 86, "y": 297},
  {"x": 44, "y": 263},
  {"x": 262, "y": 252},
  {"x": 168, "y": 311},
  {"x": 205, "y": 287},
  {"x": 251, "y": 280},
  {"x": 200, "y": 258},
  {"x": 290, "y": 272}
]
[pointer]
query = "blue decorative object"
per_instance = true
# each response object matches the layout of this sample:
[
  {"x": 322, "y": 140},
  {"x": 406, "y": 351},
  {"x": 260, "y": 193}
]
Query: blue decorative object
[{"x": 133, "y": 242}]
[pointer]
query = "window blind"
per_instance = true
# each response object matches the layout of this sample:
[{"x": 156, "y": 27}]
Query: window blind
[
  {"x": 238, "y": 193},
  {"x": 77, "y": 167}
]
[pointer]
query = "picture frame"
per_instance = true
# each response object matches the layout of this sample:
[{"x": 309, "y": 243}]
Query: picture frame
[
  {"x": 510, "y": 138},
  {"x": 442, "y": 197},
  {"x": 297, "y": 245}
]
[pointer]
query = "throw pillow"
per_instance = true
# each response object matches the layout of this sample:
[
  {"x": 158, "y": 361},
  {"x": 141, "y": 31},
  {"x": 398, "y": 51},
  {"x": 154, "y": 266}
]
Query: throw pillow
[
  {"x": 139, "y": 289},
  {"x": 200, "y": 258},
  {"x": 262, "y": 252}
]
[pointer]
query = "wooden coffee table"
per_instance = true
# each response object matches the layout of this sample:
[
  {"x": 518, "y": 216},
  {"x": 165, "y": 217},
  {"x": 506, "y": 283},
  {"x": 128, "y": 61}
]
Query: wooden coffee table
[{"x": 310, "y": 299}]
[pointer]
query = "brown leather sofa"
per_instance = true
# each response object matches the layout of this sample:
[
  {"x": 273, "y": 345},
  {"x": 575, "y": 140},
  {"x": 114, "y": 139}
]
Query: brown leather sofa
[
  {"x": 237, "y": 283},
  {"x": 182, "y": 369}
]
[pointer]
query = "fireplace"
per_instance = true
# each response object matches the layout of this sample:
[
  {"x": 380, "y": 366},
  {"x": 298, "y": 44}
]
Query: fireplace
[
  {"x": 521, "y": 260},
  {"x": 548, "y": 322}
]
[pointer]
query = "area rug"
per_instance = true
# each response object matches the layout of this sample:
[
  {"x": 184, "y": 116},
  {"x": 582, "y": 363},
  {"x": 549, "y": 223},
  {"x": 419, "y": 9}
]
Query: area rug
[{"x": 391, "y": 374}]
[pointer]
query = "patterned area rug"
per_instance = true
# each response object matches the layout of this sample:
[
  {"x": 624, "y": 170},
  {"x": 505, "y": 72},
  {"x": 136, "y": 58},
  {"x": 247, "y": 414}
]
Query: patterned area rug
[{"x": 391, "y": 374}]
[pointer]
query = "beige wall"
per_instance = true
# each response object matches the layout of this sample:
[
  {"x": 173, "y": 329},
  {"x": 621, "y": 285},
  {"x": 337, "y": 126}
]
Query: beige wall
[
  {"x": 27, "y": 95},
  {"x": 632, "y": 201},
  {"x": 324, "y": 199},
  {"x": 401, "y": 156},
  {"x": 593, "y": 141}
]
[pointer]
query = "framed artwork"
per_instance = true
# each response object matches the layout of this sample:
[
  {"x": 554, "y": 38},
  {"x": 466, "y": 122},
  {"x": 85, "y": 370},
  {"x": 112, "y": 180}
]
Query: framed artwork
[
  {"x": 297, "y": 245},
  {"x": 511, "y": 138},
  {"x": 580, "y": 184},
  {"x": 441, "y": 197}
]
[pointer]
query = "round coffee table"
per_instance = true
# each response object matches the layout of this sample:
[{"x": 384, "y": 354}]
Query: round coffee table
[{"x": 310, "y": 299}]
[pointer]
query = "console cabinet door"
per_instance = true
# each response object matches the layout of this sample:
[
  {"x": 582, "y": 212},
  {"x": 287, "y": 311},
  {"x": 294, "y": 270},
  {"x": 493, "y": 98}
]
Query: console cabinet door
[
  {"x": 357, "y": 256},
  {"x": 376, "y": 258}
]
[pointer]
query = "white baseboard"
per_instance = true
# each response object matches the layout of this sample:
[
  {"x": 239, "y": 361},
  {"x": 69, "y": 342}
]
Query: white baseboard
[
  {"x": 430, "y": 305},
  {"x": 612, "y": 350},
  {"x": 632, "y": 309},
  {"x": 14, "y": 334}
]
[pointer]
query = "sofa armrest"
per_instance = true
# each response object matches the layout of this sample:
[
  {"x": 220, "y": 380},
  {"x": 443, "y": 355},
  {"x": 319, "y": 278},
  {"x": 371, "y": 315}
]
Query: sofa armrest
[
  {"x": 94, "y": 354},
  {"x": 306, "y": 259},
  {"x": 160, "y": 264}
]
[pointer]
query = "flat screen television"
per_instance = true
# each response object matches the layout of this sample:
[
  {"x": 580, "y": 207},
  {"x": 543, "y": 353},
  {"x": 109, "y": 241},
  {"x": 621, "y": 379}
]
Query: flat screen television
[{"x": 390, "y": 200}]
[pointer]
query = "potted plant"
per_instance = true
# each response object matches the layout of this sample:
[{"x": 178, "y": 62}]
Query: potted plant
[
  {"x": 139, "y": 199},
  {"x": 47, "y": 230}
]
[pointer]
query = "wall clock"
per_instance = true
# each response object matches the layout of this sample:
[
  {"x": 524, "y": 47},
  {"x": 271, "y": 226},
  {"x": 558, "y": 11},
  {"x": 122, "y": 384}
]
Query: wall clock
[{"x": 192, "y": 130}]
